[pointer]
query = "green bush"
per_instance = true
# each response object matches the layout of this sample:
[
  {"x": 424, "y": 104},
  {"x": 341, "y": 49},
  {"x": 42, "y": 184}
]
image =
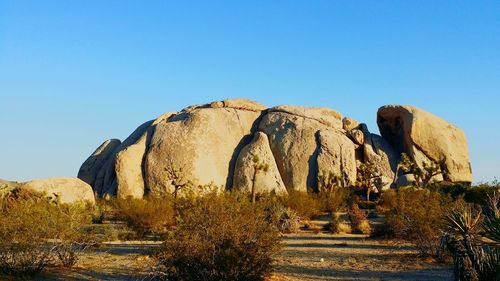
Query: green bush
[
  {"x": 416, "y": 215},
  {"x": 220, "y": 237},
  {"x": 477, "y": 194},
  {"x": 149, "y": 216},
  {"x": 285, "y": 219},
  {"x": 334, "y": 200},
  {"x": 34, "y": 230},
  {"x": 305, "y": 204}
]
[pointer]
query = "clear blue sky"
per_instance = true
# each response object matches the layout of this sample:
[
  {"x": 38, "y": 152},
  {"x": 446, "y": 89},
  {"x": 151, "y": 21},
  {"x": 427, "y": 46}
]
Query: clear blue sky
[{"x": 74, "y": 73}]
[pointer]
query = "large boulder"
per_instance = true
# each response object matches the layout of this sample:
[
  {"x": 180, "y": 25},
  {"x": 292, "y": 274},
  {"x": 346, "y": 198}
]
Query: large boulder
[
  {"x": 377, "y": 151},
  {"x": 201, "y": 144},
  {"x": 267, "y": 179},
  {"x": 106, "y": 182},
  {"x": 91, "y": 167},
  {"x": 349, "y": 123},
  {"x": 129, "y": 163},
  {"x": 124, "y": 165},
  {"x": 426, "y": 137},
  {"x": 65, "y": 190},
  {"x": 214, "y": 144},
  {"x": 357, "y": 136},
  {"x": 337, "y": 155},
  {"x": 292, "y": 133},
  {"x": 128, "y": 169}
]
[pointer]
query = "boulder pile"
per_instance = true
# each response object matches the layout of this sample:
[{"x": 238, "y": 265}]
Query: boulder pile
[{"x": 241, "y": 144}]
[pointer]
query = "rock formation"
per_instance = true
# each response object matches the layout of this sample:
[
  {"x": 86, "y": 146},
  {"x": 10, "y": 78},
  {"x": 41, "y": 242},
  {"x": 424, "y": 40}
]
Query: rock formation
[
  {"x": 218, "y": 144},
  {"x": 248, "y": 176},
  {"x": 426, "y": 137},
  {"x": 202, "y": 142},
  {"x": 65, "y": 190},
  {"x": 91, "y": 167}
]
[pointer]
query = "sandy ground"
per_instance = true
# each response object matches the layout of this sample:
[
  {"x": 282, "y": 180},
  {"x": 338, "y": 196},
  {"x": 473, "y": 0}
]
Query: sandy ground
[
  {"x": 308, "y": 256},
  {"x": 305, "y": 256}
]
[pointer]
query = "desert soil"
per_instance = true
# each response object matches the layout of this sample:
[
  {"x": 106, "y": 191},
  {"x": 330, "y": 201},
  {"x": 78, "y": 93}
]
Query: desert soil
[{"x": 307, "y": 255}]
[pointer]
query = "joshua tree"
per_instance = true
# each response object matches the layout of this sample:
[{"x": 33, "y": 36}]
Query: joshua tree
[
  {"x": 177, "y": 178},
  {"x": 257, "y": 166},
  {"x": 328, "y": 181},
  {"x": 368, "y": 177},
  {"x": 422, "y": 175}
]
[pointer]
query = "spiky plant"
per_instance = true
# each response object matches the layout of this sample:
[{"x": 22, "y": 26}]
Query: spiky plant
[
  {"x": 473, "y": 258},
  {"x": 492, "y": 230}
]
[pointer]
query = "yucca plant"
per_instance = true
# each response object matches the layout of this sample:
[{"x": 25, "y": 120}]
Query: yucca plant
[
  {"x": 492, "y": 230},
  {"x": 474, "y": 259}
]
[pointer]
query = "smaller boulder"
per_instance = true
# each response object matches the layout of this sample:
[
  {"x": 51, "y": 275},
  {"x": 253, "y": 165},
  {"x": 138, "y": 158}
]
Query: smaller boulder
[
  {"x": 357, "y": 136},
  {"x": 65, "y": 190},
  {"x": 267, "y": 179},
  {"x": 349, "y": 123},
  {"x": 336, "y": 154},
  {"x": 91, "y": 167},
  {"x": 323, "y": 115},
  {"x": 244, "y": 104}
]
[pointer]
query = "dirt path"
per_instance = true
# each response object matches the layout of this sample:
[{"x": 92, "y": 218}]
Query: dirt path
[
  {"x": 305, "y": 256},
  {"x": 112, "y": 261},
  {"x": 309, "y": 256}
]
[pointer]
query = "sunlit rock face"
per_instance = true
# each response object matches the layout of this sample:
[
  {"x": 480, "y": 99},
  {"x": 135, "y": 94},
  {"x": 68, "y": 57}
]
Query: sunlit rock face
[
  {"x": 218, "y": 144},
  {"x": 426, "y": 137}
]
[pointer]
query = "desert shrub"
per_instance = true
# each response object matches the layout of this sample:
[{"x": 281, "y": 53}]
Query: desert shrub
[
  {"x": 285, "y": 219},
  {"x": 104, "y": 209},
  {"x": 220, "y": 237},
  {"x": 359, "y": 222},
  {"x": 416, "y": 215},
  {"x": 305, "y": 204},
  {"x": 333, "y": 200},
  {"x": 364, "y": 227},
  {"x": 151, "y": 215},
  {"x": 33, "y": 229},
  {"x": 477, "y": 194},
  {"x": 336, "y": 225},
  {"x": 24, "y": 260}
]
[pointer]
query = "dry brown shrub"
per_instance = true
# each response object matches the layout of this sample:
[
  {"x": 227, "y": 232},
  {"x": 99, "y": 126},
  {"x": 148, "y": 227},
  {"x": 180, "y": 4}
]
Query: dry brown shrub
[
  {"x": 305, "y": 204},
  {"x": 33, "y": 230},
  {"x": 220, "y": 237},
  {"x": 151, "y": 215},
  {"x": 416, "y": 215}
]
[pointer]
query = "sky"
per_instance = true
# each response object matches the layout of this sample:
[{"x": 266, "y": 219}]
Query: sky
[{"x": 75, "y": 73}]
